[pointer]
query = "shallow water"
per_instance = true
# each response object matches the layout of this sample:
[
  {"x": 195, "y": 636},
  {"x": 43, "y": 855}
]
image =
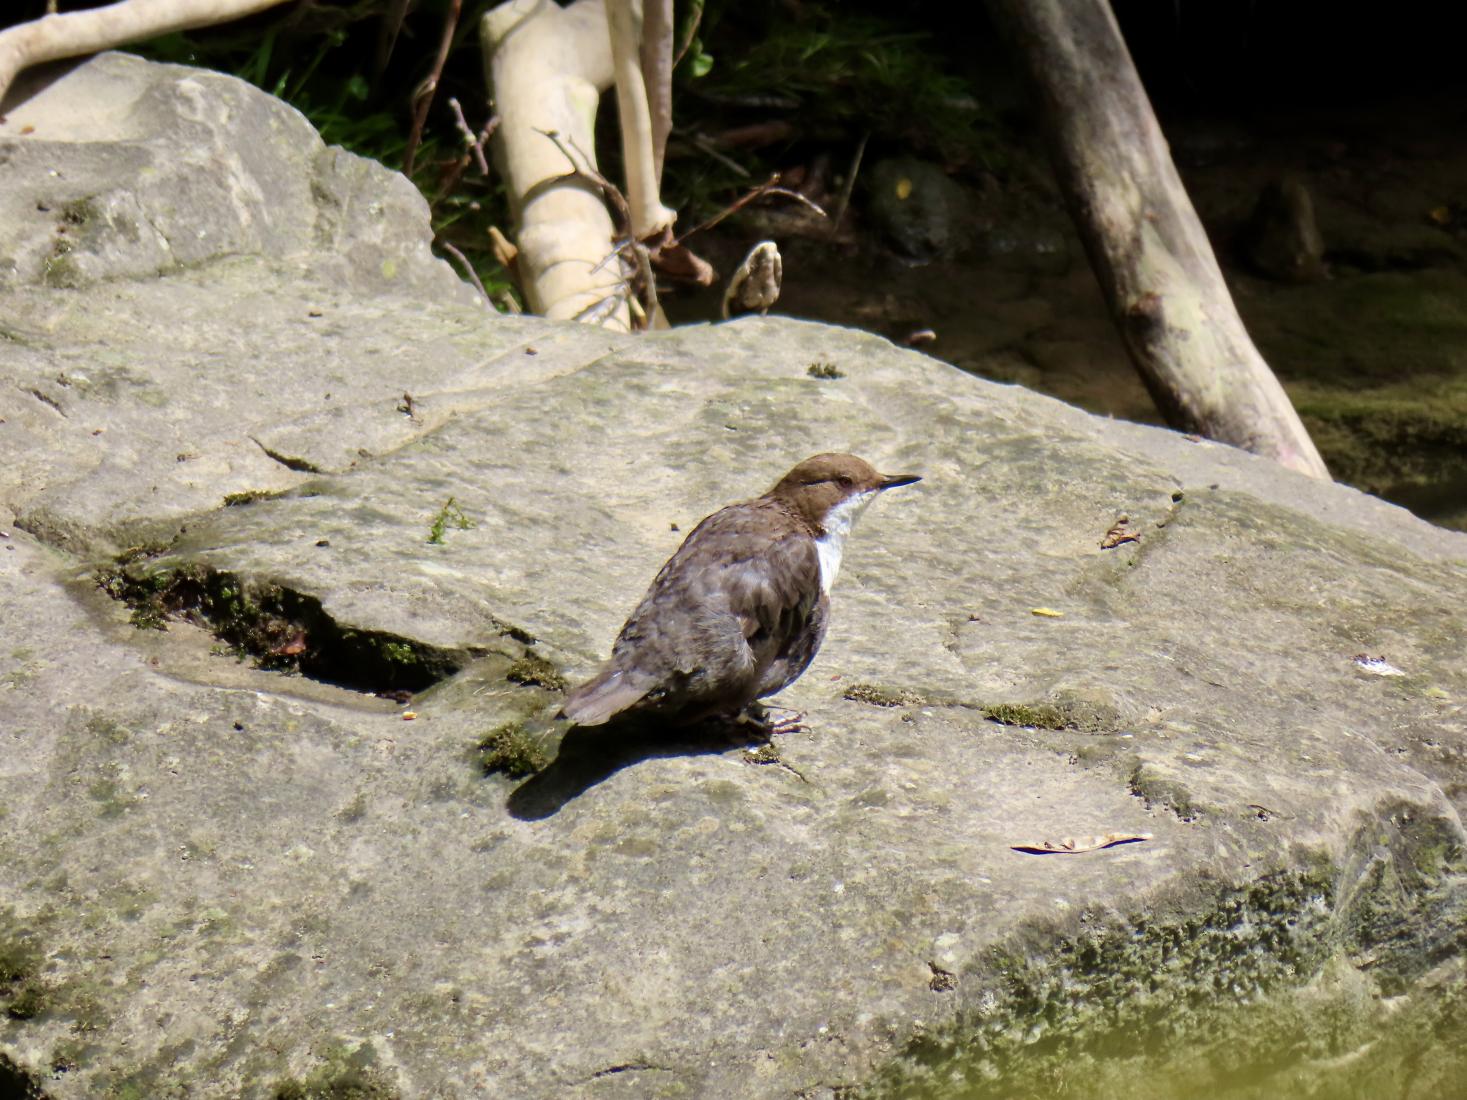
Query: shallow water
[{"x": 1336, "y": 1039}]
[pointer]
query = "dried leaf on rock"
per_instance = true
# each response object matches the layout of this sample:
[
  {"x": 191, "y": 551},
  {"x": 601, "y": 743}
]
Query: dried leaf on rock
[
  {"x": 1074, "y": 845},
  {"x": 1120, "y": 532}
]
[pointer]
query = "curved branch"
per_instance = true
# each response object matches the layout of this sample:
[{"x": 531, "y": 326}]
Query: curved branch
[{"x": 73, "y": 33}]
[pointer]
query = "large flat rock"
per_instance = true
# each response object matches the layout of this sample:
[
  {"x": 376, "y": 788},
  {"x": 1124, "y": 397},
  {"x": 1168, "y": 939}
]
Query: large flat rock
[{"x": 219, "y": 879}]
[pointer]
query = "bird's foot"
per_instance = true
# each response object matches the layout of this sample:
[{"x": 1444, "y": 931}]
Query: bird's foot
[{"x": 775, "y": 720}]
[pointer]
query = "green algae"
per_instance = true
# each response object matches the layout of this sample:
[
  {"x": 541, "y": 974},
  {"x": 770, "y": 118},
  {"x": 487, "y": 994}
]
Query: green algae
[
  {"x": 532, "y": 670},
  {"x": 512, "y": 750}
]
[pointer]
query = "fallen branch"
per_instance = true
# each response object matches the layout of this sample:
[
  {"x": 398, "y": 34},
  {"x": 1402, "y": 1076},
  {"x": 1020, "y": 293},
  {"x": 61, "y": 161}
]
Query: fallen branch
[
  {"x": 71, "y": 34},
  {"x": 547, "y": 66},
  {"x": 1149, "y": 251}
]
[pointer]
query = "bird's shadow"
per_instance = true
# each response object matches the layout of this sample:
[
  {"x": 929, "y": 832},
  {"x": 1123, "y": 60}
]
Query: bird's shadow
[{"x": 590, "y": 755}]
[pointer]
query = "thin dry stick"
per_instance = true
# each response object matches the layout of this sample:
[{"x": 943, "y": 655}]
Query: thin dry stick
[
  {"x": 702, "y": 143},
  {"x": 429, "y": 88},
  {"x": 845, "y": 192},
  {"x": 657, "y": 64},
  {"x": 599, "y": 311},
  {"x": 468, "y": 269},
  {"x": 475, "y": 151},
  {"x": 475, "y": 144},
  {"x": 769, "y": 187},
  {"x": 391, "y": 27}
]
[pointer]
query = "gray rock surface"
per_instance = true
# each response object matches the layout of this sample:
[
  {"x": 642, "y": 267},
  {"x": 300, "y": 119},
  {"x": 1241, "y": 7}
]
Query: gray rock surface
[{"x": 219, "y": 880}]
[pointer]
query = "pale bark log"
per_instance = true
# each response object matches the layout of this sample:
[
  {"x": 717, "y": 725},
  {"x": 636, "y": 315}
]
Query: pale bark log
[
  {"x": 649, "y": 216},
  {"x": 71, "y": 34},
  {"x": 1149, "y": 251},
  {"x": 547, "y": 67},
  {"x": 657, "y": 66}
]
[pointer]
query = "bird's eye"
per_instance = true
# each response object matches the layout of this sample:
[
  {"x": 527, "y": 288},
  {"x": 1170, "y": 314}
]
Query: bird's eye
[{"x": 844, "y": 482}]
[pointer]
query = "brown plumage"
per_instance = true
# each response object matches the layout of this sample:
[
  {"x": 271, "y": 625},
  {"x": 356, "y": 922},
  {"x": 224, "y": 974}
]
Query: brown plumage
[{"x": 741, "y": 609}]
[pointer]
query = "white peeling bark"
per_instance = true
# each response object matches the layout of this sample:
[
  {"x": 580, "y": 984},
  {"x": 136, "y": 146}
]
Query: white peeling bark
[
  {"x": 547, "y": 67},
  {"x": 71, "y": 34},
  {"x": 1149, "y": 251}
]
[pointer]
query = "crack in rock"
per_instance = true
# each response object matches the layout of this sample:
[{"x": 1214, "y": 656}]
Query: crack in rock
[
  {"x": 290, "y": 462},
  {"x": 281, "y": 628}
]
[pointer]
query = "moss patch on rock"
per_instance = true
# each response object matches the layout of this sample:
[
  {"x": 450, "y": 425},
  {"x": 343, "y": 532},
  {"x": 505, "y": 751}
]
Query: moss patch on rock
[
  {"x": 512, "y": 750},
  {"x": 532, "y": 670},
  {"x": 876, "y": 695},
  {"x": 280, "y": 628}
]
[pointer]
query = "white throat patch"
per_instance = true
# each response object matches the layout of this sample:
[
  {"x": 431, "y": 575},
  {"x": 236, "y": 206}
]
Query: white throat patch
[{"x": 838, "y": 523}]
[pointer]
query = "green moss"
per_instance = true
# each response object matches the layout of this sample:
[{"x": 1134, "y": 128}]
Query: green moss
[
  {"x": 1059, "y": 998},
  {"x": 825, "y": 371},
  {"x": 28, "y": 1002},
  {"x": 398, "y": 652},
  {"x": 249, "y": 496},
  {"x": 18, "y": 960},
  {"x": 513, "y": 751},
  {"x": 535, "y": 671},
  {"x": 450, "y": 515},
  {"x": 1044, "y": 716},
  {"x": 878, "y": 696}
]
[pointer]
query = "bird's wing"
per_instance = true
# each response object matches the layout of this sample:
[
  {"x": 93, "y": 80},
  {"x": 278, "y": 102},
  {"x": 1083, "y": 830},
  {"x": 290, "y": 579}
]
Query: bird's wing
[
  {"x": 774, "y": 594},
  {"x": 721, "y": 610}
]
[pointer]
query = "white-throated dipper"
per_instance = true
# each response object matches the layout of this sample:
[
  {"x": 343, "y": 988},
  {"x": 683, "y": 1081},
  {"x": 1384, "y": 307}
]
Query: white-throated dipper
[{"x": 741, "y": 609}]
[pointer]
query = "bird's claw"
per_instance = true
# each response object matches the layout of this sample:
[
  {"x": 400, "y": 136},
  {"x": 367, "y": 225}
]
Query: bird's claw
[{"x": 789, "y": 721}]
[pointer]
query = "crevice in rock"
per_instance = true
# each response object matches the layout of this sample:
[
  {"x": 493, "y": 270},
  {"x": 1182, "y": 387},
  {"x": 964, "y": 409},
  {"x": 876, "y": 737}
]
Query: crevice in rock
[
  {"x": 290, "y": 462},
  {"x": 627, "y": 1067},
  {"x": 282, "y": 629},
  {"x": 46, "y": 399}
]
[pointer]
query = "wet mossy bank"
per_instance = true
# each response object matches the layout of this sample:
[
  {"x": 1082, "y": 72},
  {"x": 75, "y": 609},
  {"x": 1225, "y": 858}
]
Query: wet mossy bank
[{"x": 1346, "y": 980}]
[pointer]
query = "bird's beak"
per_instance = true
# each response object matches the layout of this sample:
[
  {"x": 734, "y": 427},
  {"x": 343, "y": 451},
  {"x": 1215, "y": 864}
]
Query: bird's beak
[{"x": 891, "y": 481}]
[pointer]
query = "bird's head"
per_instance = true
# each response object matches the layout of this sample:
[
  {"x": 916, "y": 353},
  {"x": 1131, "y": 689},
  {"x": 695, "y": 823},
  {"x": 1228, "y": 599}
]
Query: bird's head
[{"x": 831, "y": 490}]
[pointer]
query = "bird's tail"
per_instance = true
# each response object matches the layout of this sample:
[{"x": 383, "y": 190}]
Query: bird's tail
[{"x": 601, "y": 698}]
